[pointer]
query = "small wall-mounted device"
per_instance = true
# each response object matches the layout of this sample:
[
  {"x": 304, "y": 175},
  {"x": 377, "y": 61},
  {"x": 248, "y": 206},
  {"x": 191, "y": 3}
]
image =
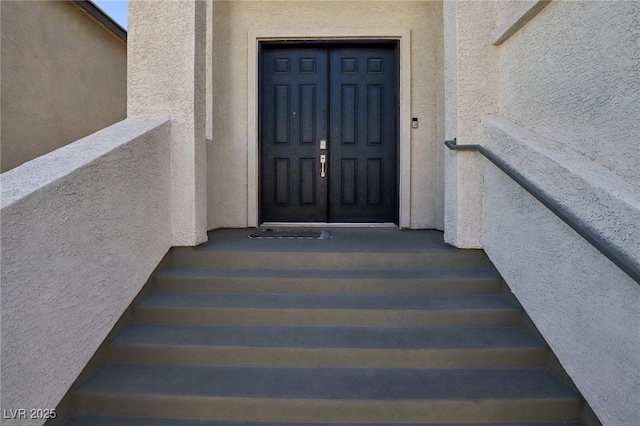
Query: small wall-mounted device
[{"x": 414, "y": 123}]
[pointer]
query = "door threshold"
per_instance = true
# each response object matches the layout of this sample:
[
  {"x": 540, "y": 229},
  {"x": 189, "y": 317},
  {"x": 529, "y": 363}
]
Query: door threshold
[{"x": 331, "y": 225}]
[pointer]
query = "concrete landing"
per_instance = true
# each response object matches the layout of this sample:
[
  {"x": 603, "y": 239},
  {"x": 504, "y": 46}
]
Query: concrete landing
[
  {"x": 385, "y": 240},
  {"x": 349, "y": 248}
]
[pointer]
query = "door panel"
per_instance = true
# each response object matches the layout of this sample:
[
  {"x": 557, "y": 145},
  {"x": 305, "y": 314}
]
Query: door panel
[
  {"x": 346, "y": 95},
  {"x": 363, "y": 135},
  {"x": 294, "y": 120}
]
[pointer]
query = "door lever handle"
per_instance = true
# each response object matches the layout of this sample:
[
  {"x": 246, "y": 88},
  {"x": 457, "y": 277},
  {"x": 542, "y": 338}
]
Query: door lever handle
[{"x": 323, "y": 163}]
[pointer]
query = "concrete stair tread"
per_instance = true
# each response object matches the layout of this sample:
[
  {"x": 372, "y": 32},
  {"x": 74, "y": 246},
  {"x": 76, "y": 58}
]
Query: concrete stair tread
[
  {"x": 396, "y": 338},
  {"x": 329, "y": 281},
  {"x": 370, "y": 328},
  {"x": 328, "y": 302},
  {"x": 427, "y": 273},
  {"x": 134, "y": 421},
  {"x": 329, "y": 383}
]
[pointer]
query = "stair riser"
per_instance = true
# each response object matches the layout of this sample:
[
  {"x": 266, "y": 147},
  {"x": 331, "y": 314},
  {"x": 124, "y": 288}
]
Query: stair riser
[
  {"x": 281, "y": 410},
  {"x": 221, "y": 259},
  {"x": 355, "y": 358},
  {"x": 130, "y": 421},
  {"x": 328, "y": 317},
  {"x": 232, "y": 285}
]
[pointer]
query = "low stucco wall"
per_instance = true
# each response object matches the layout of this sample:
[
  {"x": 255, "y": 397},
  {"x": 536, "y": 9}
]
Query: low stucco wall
[
  {"x": 586, "y": 308},
  {"x": 227, "y": 154},
  {"x": 64, "y": 76},
  {"x": 566, "y": 79},
  {"x": 568, "y": 122},
  {"x": 83, "y": 228}
]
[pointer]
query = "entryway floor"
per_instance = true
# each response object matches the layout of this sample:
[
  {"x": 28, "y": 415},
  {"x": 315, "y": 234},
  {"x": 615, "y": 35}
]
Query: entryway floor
[{"x": 386, "y": 240}]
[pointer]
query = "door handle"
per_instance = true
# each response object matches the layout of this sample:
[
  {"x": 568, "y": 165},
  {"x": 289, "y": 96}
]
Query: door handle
[{"x": 323, "y": 163}]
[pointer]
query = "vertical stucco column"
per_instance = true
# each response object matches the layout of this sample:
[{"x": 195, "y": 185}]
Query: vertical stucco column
[
  {"x": 209, "y": 67},
  {"x": 167, "y": 78},
  {"x": 471, "y": 92}
]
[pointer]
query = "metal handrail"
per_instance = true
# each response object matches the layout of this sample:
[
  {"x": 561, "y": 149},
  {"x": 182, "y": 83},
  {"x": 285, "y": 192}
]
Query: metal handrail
[{"x": 620, "y": 259}]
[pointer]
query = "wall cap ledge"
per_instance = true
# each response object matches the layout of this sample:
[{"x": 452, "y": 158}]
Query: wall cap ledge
[
  {"x": 510, "y": 27},
  {"x": 47, "y": 169},
  {"x": 603, "y": 201}
]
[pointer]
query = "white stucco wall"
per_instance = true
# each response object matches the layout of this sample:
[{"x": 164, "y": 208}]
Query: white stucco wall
[
  {"x": 572, "y": 74},
  {"x": 227, "y": 154},
  {"x": 569, "y": 102},
  {"x": 449, "y": 161},
  {"x": 472, "y": 67},
  {"x": 83, "y": 227},
  {"x": 167, "y": 78},
  {"x": 513, "y": 15},
  {"x": 64, "y": 76},
  {"x": 586, "y": 308}
]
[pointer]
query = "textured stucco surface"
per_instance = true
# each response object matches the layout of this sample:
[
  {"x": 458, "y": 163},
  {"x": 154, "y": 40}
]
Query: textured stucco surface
[
  {"x": 209, "y": 68},
  {"x": 450, "y": 163},
  {"x": 83, "y": 227},
  {"x": 450, "y": 69},
  {"x": 476, "y": 95},
  {"x": 227, "y": 155},
  {"x": 513, "y": 15},
  {"x": 63, "y": 78},
  {"x": 587, "y": 309},
  {"x": 572, "y": 74},
  {"x": 167, "y": 78},
  {"x": 605, "y": 204},
  {"x": 569, "y": 98}
]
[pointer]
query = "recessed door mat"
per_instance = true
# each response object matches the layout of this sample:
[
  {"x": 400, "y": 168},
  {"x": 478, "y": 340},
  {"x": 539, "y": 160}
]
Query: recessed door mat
[{"x": 292, "y": 233}]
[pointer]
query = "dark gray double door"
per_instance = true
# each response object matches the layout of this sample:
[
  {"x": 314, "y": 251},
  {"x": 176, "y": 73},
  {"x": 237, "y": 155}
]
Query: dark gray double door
[{"x": 328, "y": 133}]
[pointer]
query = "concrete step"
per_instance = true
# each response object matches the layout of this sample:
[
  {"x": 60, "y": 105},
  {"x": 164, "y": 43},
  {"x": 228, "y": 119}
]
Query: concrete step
[
  {"x": 370, "y": 328},
  {"x": 330, "y": 281},
  {"x": 340, "y": 310},
  {"x": 134, "y": 421},
  {"x": 440, "y": 258},
  {"x": 296, "y": 346},
  {"x": 328, "y": 394}
]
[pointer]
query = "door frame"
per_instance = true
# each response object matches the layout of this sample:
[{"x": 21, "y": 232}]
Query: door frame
[{"x": 401, "y": 35}]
